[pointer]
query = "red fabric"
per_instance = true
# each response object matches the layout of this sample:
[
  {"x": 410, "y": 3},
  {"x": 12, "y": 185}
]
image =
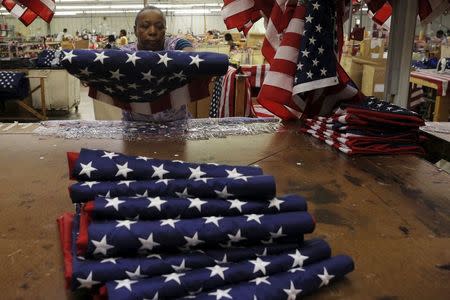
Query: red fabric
[
  {"x": 65, "y": 234},
  {"x": 41, "y": 8},
  {"x": 27, "y": 16},
  {"x": 83, "y": 236},
  {"x": 88, "y": 207},
  {"x": 72, "y": 158}
]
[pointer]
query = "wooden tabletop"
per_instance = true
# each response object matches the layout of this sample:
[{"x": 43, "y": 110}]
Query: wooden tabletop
[{"x": 391, "y": 214}]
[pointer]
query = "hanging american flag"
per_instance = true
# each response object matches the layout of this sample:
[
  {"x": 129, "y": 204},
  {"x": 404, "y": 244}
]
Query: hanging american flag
[
  {"x": 24, "y": 14},
  {"x": 146, "y": 81}
]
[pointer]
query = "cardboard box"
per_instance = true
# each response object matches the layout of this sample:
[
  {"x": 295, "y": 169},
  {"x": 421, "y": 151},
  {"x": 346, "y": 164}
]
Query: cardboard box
[
  {"x": 372, "y": 48},
  {"x": 373, "y": 80},
  {"x": 355, "y": 72}
]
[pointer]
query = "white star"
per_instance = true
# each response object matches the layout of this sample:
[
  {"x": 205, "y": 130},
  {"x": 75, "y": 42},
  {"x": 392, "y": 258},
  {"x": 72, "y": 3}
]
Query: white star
[
  {"x": 260, "y": 265},
  {"x": 144, "y": 195},
  {"x": 213, "y": 219},
  {"x": 114, "y": 202},
  {"x": 108, "y": 194},
  {"x": 123, "y": 170},
  {"x": 309, "y": 74},
  {"x": 134, "y": 97},
  {"x": 309, "y": 19},
  {"x": 143, "y": 158},
  {"x": 148, "y": 243},
  {"x": 223, "y": 193},
  {"x": 237, "y": 237},
  {"x": 87, "y": 169},
  {"x": 133, "y": 86},
  {"x": 111, "y": 260},
  {"x": 316, "y": 6},
  {"x": 165, "y": 181},
  {"x": 204, "y": 179},
  {"x": 299, "y": 66},
  {"x": 318, "y": 28},
  {"x": 277, "y": 234},
  {"x": 292, "y": 292},
  {"x": 242, "y": 178},
  {"x": 170, "y": 222},
  {"x": 260, "y": 280},
  {"x": 125, "y": 223},
  {"x": 221, "y": 294},
  {"x": 155, "y": 202},
  {"x": 160, "y": 81},
  {"x": 275, "y": 202},
  {"x": 193, "y": 241},
  {"x": 196, "y": 60},
  {"x": 132, "y": 58},
  {"x": 162, "y": 92},
  {"x": 100, "y": 57},
  {"x": 164, "y": 59},
  {"x": 126, "y": 283},
  {"x": 89, "y": 183},
  {"x": 233, "y": 173},
  {"x": 159, "y": 171},
  {"x": 180, "y": 75},
  {"x": 305, "y": 52},
  {"x": 116, "y": 74},
  {"x": 154, "y": 255},
  {"x": 217, "y": 270},
  {"x": 296, "y": 270},
  {"x": 174, "y": 277},
  {"x": 69, "y": 56},
  {"x": 85, "y": 72},
  {"x": 148, "y": 76},
  {"x": 181, "y": 267},
  {"x": 323, "y": 72},
  {"x": 101, "y": 246},
  {"x": 126, "y": 182},
  {"x": 109, "y": 155},
  {"x": 87, "y": 282},
  {"x": 136, "y": 274},
  {"x": 197, "y": 203},
  {"x": 223, "y": 261},
  {"x": 254, "y": 217},
  {"x": 315, "y": 62},
  {"x": 236, "y": 203},
  {"x": 183, "y": 194},
  {"x": 312, "y": 40},
  {"x": 120, "y": 88},
  {"x": 321, "y": 50},
  {"x": 196, "y": 173},
  {"x": 325, "y": 277}
]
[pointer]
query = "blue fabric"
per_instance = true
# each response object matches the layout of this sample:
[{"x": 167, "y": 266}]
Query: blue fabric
[{"x": 13, "y": 85}]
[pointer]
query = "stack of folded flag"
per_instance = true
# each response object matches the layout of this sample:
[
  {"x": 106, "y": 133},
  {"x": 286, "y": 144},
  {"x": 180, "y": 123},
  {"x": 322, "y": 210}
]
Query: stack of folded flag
[
  {"x": 372, "y": 127},
  {"x": 158, "y": 229}
]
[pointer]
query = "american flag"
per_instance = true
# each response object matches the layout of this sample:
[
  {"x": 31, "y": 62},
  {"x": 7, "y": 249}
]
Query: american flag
[
  {"x": 28, "y": 10},
  {"x": 13, "y": 85},
  {"x": 146, "y": 81},
  {"x": 143, "y": 246},
  {"x": 49, "y": 58},
  {"x": 299, "y": 38}
]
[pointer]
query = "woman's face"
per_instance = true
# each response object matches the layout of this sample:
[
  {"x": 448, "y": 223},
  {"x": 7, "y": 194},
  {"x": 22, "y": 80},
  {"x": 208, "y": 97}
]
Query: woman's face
[{"x": 150, "y": 30}]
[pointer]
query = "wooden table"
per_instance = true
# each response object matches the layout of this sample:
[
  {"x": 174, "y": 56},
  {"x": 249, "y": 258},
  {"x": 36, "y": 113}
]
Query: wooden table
[
  {"x": 391, "y": 214},
  {"x": 438, "y": 82}
]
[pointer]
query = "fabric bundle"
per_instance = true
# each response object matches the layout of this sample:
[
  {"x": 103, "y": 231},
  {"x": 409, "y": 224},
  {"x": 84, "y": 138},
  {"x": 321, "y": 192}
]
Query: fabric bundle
[
  {"x": 373, "y": 127},
  {"x": 172, "y": 239},
  {"x": 13, "y": 85}
]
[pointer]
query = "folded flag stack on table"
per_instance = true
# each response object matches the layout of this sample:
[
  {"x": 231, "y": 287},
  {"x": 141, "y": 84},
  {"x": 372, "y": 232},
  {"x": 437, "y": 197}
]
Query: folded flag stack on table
[
  {"x": 158, "y": 229},
  {"x": 372, "y": 127}
]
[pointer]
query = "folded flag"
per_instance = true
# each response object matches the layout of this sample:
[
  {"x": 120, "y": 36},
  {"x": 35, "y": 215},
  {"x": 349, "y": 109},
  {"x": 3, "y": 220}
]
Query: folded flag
[
  {"x": 126, "y": 237},
  {"x": 291, "y": 285},
  {"x": 13, "y": 85},
  {"x": 245, "y": 187},
  {"x": 141, "y": 76},
  {"x": 183, "y": 283},
  {"x": 49, "y": 58},
  {"x": 102, "y": 165},
  {"x": 123, "y": 208}
]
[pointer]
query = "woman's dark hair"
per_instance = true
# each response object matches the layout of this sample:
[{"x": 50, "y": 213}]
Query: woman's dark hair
[
  {"x": 439, "y": 33},
  {"x": 111, "y": 38},
  {"x": 228, "y": 37},
  {"x": 210, "y": 32},
  {"x": 123, "y": 32}
]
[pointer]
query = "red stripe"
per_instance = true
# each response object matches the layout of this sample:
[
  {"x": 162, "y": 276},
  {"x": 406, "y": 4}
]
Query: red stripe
[
  {"x": 39, "y": 8},
  {"x": 199, "y": 88},
  {"x": 72, "y": 158},
  {"x": 383, "y": 14},
  {"x": 425, "y": 9},
  {"x": 65, "y": 235},
  {"x": 83, "y": 236}
]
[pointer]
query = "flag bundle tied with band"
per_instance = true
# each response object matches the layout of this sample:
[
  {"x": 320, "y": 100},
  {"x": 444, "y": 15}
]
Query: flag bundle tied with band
[
  {"x": 373, "y": 127},
  {"x": 158, "y": 229}
]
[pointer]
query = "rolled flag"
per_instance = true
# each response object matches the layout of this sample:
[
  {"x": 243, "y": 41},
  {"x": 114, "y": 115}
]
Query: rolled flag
[
  {"x": 78, "y": 269},
  {"x": 253, "y": 187},
  {"x": 141, "y": 76},
  {"x": 122, "y": 208},
  {"x": 180, "y": 284},
  {"x": 126, "y": 237},
  {"x": 100, "y": 165},
  {"x": 293, "y": 284}
]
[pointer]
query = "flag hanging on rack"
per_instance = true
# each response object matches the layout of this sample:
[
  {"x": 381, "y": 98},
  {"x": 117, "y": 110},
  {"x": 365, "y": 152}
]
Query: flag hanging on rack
[
  {"x": 21, "y": 12},
  {"x": 45, "y": 9}
]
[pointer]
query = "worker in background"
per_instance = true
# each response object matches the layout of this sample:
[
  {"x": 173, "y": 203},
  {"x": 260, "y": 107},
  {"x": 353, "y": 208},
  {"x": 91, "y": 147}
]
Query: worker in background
[
  {"x": 123, "y": 40},
  {"x": 64, "y": 36},
  {"x": 229, "y": 40},
  {"x": 111, "y": 42},
  {"x": 357, "y": 33},
  {"x": 441, "y": 38}
]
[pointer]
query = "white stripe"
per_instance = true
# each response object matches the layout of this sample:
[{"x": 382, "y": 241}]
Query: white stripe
[
  {"x": 342, "y": 119},
  {"x": 49, "y": 3},
  {"x": 279, "y": 80},
  {"x": 316, "y": 84},
  {"x": 141, "y": 108},
  {"x": 272, "y": 35},
  {"x": 180, "y": 97},
  {"x": 258, "y": 76},
  {"x": 227, "y": 96},
  {"x": 287, "y": 53},
  {"x": 282, "y": 4},
  {"x": 17, "y": 11},
  {"x": 236, "y": 7},
  {"x": 296, "y": 26}
]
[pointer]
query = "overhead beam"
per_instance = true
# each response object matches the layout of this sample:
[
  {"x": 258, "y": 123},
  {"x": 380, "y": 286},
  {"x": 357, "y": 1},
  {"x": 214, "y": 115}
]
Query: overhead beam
[{"x": 401, "y": 38}]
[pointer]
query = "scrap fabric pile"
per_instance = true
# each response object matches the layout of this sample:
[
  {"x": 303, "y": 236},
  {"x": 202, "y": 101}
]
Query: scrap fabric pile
[
  {"x": 158, "y": 229},
  {"x": 373, "y": 127}
]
